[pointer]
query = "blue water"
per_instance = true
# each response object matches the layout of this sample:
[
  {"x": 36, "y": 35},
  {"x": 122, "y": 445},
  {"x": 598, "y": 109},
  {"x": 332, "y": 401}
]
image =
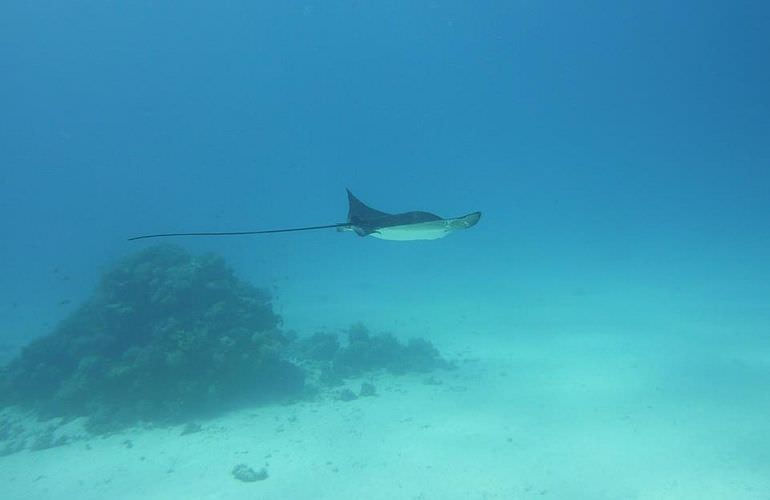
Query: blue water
[{"x": 620, "y": 153}]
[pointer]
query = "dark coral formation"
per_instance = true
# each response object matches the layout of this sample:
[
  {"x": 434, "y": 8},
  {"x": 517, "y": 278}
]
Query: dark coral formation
[
  {"x": 170, "y": 337},
  {"x": 367, "y": 390},
  {"x": 365, "y": 352},
  {"x": 320, "y": 346},
  {"x": 346, "y": 395},
  {"x": 166, "y": 335}
]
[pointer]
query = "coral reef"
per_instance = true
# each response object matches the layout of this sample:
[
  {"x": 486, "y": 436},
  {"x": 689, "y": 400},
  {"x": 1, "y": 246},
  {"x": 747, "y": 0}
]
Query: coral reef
[
  {"x": 365, "y": 352},
  {"x": 165, "y": 336},
  {"x": 168, "y": 337},
  {"x": 320, "y": 346}
]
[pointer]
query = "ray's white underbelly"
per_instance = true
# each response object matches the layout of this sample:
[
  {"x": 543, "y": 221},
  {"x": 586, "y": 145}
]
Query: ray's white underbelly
[{"x": 425, "y": 231}]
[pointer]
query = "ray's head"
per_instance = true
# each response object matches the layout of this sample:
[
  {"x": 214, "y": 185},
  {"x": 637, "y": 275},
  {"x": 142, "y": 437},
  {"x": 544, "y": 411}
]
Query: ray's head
[{"x": 466, "y": 221}]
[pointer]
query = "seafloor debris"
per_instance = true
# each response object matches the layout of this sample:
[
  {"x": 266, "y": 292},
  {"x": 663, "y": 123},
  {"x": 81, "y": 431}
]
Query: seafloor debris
[{"x": 243, "y": 472}]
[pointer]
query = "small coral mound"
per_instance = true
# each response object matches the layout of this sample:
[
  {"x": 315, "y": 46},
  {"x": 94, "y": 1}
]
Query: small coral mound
[
  {"x": 165, "y": 336},
  {"x": 365, "y": 352}
]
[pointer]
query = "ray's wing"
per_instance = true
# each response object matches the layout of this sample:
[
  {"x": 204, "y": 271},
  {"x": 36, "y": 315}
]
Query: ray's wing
[{"x": 358, "y": 212}]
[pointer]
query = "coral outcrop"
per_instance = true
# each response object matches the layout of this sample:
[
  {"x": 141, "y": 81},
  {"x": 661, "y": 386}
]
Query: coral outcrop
[
  {"x": 169, "y": 337},
  {"x": 365, "y": 352},
  {"x": 166, "y": 335}
]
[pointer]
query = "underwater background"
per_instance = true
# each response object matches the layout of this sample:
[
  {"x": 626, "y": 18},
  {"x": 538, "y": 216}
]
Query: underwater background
[{"x": 619, "y": 151}]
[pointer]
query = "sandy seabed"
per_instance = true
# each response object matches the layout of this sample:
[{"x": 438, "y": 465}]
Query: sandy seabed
[{"x": 568, "y": 413}]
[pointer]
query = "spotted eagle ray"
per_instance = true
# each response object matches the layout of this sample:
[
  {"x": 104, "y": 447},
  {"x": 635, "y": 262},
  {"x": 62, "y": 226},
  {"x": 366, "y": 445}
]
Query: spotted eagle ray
[{"x": 367, "y": 221}]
